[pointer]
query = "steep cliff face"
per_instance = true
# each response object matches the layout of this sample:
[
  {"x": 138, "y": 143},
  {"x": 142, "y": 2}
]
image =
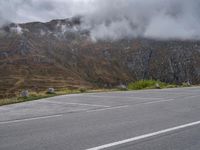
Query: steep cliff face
[{"x": 61, "y": 54}]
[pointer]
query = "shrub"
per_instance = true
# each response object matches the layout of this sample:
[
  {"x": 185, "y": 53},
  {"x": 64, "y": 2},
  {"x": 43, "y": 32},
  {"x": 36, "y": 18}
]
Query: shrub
[
  {"x": 147, "y": 84},
  {"x": 82, "y": 90}
]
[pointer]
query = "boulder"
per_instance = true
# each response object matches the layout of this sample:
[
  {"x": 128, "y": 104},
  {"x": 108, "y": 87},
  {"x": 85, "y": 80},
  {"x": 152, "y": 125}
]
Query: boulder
[
  {"x": 51, "y": 91},
  {"x": 25, "y": 93},
  {"x": 122, "y": 87},
  {"x": 188, "y": 83},
  {"x": 157, "y": 85}
]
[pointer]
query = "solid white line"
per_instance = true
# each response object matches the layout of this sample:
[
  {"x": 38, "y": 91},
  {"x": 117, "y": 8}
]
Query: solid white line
[
  {"x": 110, "y": 108},
  {"x": 29, "y": 119},
  {"x": 81, "y": 104},
  {"x": 144, "y": 136}
]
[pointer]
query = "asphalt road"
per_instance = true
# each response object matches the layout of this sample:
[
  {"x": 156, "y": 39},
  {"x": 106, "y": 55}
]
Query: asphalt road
[{"x": 166, "y": 119}]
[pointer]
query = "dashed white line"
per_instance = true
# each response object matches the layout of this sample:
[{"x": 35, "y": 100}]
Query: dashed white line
[
  {"x": 126, "y": 106},
  {"x": 30, "y": 119},
  {"x": 81, "y": 104},
  {"x": 133, "y": 97},
  {"x": 154, "y": 102},
  {"x": 87, "y": 104},
  {"x": 144, "y": 136},
  {"x": 110, "y": 108}
]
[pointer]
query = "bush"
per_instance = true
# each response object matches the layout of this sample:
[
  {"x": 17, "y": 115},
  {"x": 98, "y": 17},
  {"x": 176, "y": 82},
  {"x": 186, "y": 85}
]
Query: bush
[
  {"x": 82, "y": 90},
  {"x": 147, "y": 84}
]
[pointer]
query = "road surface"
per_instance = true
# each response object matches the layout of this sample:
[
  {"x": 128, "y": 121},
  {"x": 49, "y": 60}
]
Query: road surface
[{"x": 167, "y": 119}]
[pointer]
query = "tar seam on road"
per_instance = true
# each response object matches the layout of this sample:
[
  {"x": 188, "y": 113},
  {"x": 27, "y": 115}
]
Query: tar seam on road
[{"x": 144, "y": 136}]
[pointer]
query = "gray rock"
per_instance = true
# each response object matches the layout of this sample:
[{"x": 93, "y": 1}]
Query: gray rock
[
  {"x": 51, "y": 91},
  {"x": 25, "y": 93},
  {"x": 122, "y": 87},
  {"x": 188, "y": 83},
  {"x": 157, "y": 85}
]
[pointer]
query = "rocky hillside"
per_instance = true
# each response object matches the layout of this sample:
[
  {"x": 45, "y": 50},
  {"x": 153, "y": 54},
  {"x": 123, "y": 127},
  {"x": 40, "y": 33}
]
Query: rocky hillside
[{"x": 61, "y": 54}]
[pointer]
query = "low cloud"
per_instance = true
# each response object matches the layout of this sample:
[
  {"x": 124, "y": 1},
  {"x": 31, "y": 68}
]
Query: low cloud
[{"x": 113, "y": 19}]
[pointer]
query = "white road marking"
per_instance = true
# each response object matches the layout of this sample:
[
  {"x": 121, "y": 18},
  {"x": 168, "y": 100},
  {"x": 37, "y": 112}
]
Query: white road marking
[
  {"x": 133, "y": 97},
  {"x": 86, "y": 110},
  {"x": 110, "y": 108},
  {"x": 30, "y": 119},
  {"x": 145, "y": 136},
  {"x": 154, "y": 102},
  {"x": 81, "y": 104},
  {"x": 126, "y": 106}
]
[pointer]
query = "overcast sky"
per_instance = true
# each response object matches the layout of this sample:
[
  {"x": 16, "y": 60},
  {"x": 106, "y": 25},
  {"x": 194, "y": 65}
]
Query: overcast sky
[{"x": 113, "y": 18}]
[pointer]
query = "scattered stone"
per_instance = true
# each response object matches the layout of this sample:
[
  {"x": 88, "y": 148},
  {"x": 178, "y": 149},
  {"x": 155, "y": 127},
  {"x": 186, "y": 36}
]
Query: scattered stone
[
  {"x": 122, "y": 87},
  {"x": 51, "y": 91},
  {"x": 188, "y": 83},
  {"x": 25, "y": 93},
  {"x": 157, "y": 85}
]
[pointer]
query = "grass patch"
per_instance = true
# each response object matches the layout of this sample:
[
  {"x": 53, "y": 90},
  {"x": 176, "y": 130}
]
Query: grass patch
[
  {"x": 149, "y": 84},
  {"x": 14, "y": 100},
  {"x": 36, "y": 96},
  {"x": 138, "y": 85}
]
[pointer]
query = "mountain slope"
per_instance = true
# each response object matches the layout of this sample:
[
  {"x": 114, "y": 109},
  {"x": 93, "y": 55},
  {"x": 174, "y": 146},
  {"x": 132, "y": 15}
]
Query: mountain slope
[{"x": 61, "y": 54}]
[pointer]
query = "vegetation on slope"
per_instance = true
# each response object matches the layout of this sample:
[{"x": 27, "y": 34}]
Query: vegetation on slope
[
  {"x": 138, "y": 85},
  {"x": 149, "y": 84},
  {"x": 35, "y": 96},
  {"x": 40, "y": 95}
]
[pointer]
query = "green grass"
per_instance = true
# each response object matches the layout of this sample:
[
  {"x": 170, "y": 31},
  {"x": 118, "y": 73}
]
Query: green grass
[
  {"x": 41, "y": 95},
  {"x": 149, "y": 84},
  {"x": 36, "y": 96},
  {"x": 138, "y": 85},
  {"x": 7, "y": 101}
]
